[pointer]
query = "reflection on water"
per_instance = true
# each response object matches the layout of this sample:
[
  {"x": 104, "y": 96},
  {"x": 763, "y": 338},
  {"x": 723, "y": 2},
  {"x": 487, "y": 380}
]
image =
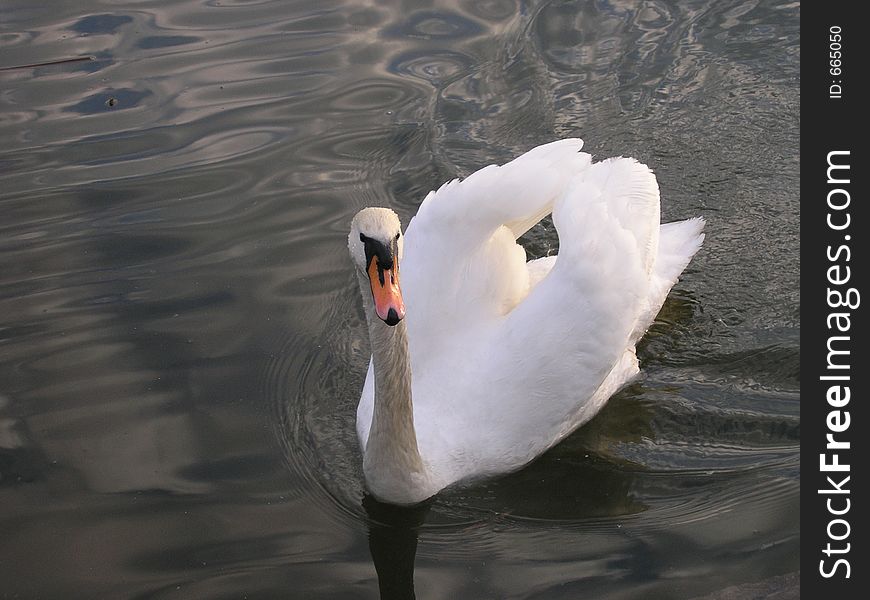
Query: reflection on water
[
  {"x": 393, "y": 532},
  {"x": 181, "y": 343}
]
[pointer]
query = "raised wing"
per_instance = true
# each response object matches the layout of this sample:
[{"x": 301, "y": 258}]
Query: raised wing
[
  {"x": 462, "y": 267},
  {"x": 558, "y": 345}
]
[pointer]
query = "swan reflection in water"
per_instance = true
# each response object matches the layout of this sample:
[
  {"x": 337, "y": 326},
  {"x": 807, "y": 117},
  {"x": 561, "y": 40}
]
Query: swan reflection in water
[{"x": 393, "y": 534}]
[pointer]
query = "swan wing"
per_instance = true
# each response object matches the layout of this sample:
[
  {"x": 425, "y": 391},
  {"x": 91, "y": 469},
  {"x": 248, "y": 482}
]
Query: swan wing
[
  {"x": 559, "y": 346},
  {"x": 461, "y": 267}
]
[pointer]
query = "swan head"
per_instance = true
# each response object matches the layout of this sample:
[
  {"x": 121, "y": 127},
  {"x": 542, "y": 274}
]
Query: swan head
[{"x": 375, "y": 243}]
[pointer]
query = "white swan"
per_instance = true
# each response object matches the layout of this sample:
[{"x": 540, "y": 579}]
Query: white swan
[{"x": 498, "y": 359}]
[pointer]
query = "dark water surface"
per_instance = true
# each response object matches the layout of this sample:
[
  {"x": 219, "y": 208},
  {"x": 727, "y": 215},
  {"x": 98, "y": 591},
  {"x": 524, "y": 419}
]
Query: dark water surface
[{"x": 181, "y": 346}]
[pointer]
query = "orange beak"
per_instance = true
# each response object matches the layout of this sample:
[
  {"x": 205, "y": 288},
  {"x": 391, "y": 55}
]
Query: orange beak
[{"x": 386, "y": 292}]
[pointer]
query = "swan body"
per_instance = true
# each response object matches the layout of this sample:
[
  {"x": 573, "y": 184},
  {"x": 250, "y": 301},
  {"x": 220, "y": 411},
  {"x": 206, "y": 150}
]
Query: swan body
[{"x": 481, "y": 360}]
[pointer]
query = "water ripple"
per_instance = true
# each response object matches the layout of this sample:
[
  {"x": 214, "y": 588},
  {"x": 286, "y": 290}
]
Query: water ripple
[
  {"x": 436, "y": 68},
  {"x": 428, "y": 25}
]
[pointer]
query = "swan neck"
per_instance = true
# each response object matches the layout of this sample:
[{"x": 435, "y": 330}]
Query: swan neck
[
  {"x": 392, "y": 463},
  {"x": 394, "y": 408}
]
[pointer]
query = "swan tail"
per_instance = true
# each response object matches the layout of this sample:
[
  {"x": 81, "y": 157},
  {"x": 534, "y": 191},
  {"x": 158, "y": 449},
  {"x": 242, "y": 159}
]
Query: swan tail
[{"x": 678, "y": 243}]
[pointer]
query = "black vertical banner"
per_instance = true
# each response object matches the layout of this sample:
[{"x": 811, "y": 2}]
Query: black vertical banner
[{"x": 834, "y": 263}]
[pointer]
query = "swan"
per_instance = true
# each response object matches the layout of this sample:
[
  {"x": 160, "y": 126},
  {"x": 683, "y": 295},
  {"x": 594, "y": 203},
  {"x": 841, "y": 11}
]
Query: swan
[{"x": 481, "y": 360}]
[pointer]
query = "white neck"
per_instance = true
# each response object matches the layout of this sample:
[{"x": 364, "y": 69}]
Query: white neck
[{"x": 392, "y": 464}]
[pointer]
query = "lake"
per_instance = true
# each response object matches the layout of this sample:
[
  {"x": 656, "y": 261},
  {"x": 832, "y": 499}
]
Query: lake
[{"x": 182, "y": 345}]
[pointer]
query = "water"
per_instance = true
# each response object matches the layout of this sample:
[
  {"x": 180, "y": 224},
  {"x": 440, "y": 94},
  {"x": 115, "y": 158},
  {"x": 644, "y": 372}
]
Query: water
[{"x": 181, "y": 346}]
